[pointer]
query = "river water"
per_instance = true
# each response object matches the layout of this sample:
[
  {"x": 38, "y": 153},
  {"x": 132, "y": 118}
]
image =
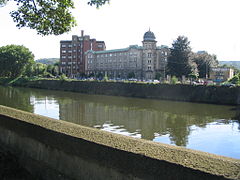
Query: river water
[{"x": 206, "y": 127}]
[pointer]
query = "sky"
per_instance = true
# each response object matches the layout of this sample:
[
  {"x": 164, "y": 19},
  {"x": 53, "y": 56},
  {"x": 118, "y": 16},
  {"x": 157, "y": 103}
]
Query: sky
[{"x": 210, "y": 25}]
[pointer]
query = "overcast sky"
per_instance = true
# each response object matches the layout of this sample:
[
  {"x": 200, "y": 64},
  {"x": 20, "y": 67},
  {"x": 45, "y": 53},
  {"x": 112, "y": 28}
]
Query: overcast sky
[{"x": 210, "y": 25}]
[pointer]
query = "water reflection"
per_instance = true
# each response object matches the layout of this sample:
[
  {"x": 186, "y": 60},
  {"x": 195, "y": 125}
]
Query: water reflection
[{"x": 204, "y": 127}]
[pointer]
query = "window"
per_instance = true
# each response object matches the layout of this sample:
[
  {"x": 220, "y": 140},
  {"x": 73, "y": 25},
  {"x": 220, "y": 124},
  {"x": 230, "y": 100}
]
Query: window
[
  {"x": 100, "y": 45},
  {"x": 63, "y": 45},
  {"x": 69, "y": 51},
  {"x": 63, "y": 57},
  {"x": 149, "y": 67},
  {"x": 63, "y": 51},
  {"x": 69, "y": 45},
  {"x": 149, "y": 55}
]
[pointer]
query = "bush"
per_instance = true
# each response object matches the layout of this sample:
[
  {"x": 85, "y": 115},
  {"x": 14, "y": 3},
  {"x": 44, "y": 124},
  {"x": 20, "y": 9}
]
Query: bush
[
  {"x": 63, "y": 77},
  {"x": 235, "y": 79},
  {"x": 174, "y": 80}
]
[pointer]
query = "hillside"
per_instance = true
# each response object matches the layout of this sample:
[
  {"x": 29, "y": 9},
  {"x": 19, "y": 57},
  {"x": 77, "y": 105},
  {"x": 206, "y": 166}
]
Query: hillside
[
  {"x": 231, "y": 63},
  {"x": 48, "y": 60}
]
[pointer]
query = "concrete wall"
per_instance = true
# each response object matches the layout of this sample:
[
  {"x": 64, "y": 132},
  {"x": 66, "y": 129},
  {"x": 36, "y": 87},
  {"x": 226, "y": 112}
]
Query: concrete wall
[
  {"x": 54, "y": 149},
  {"x": 204, "y": 94}
]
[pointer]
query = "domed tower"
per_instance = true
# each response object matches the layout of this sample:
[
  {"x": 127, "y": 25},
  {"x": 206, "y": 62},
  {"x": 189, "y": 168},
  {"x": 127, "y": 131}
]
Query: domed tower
[{"x": 149, "y": 55}]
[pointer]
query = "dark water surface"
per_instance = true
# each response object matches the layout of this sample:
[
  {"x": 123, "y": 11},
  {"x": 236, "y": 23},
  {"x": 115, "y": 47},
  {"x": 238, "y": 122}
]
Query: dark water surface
[{"x": 205, "y": 127}]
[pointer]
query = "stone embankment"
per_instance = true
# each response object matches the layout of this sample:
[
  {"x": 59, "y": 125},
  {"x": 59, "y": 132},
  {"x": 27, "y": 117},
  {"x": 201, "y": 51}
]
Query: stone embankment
[{"x": 178, "y": 92}]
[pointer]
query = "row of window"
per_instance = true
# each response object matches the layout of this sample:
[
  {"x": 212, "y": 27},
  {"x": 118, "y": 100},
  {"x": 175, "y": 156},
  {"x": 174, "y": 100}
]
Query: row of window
[
  {"x": 110, "y": 67},
  {"x": 113, "y": 60},
  {"x": 69, "y": 63},
  {"x": 70, "y": 57},
  {"x": 71, "y": 45},
  {"x": 70, "y": 51},
  {"x": 73, "y": 67}
]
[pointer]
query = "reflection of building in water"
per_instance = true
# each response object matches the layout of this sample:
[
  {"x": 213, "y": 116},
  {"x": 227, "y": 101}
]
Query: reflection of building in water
[{"x": 146, "y": 122}]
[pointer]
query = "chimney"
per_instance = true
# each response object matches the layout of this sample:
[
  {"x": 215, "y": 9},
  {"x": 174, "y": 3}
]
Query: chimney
[{"x": 82, "y": 32}]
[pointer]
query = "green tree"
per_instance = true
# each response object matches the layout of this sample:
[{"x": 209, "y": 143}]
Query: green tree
[
  {"x": 158, "y": 76},
  {"x": 179, "y": 61},
  {"x": 46, "y": 16},
  {"x": 204, "y": 63},
  {"x": 235, "y": 79},
  {"x": 14, "y": 60},
  {"x": 131, "y": 75}
]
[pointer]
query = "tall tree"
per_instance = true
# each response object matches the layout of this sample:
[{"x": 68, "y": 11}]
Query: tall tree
[
  {"x": 179, "y": 61},
  {"x": 14, "y": 60},
  {"x": 46, "y": 16},
  {"x": 204, "y": 63}
]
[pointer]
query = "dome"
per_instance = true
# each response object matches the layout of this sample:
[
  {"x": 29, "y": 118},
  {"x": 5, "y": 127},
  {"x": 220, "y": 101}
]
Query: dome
[{"x": 149, "y": 36}]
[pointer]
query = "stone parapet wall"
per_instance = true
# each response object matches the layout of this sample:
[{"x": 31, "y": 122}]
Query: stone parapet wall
[{"x": 54, "y": 149}]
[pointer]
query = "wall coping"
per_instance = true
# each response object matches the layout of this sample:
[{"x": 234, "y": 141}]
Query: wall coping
[{"x": 197, "y": 160}]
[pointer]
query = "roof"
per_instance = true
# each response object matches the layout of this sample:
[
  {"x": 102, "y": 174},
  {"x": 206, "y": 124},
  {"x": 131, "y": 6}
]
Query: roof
[{"x": 116, "y": 50}]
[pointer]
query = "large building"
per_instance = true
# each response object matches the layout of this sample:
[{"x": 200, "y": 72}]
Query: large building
[
  {"x": 142, "y": 62},
  {"x": 221, "y": 74},
  {"x": 72, "y": 54}
]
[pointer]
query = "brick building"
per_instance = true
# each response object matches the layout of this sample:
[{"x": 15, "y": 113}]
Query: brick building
[{"x": 72, "y": 53}]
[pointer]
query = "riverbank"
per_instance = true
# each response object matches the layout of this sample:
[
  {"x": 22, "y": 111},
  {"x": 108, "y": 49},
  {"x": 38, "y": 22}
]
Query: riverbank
[{"x": 178, "y": 92}]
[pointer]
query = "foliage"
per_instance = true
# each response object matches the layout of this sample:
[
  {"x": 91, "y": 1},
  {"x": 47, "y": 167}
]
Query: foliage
[
  {"x": 47, "y": 61},
  {"x": 174, "y": 80},
  {"x": 204, "y": 63},
  {"x": 99, "y": 75},
  {"x": 46, "y": 16},
  {"x": 193, "y": 75},
  {"x": 14, "y": 60},
  {"x": 105, "y": 78},
  {"x": 179, "y": 61},
  {"x": 131, "y": 75},
  {"x": 235, "y": 79},
  {"x": 63, "y": 77},
  {"x": 158, "y": 76},
  {"x": 97, "y": 3}
]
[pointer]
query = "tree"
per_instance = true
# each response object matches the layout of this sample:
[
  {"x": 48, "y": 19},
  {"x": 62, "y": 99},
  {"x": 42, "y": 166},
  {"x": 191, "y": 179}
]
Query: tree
[
  {"x": 204, "y": 63},
  {"x": 131, "y": 75},
  {"x": 14, "y": 60},
  {"x": 179, "y": 62},
  {"x": 46, "y": 16}
]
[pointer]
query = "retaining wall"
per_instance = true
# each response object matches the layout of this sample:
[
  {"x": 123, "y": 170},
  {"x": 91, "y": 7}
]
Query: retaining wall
[
  {"x": 179, "y": 92},
  {"x": 54, "y": 149}
]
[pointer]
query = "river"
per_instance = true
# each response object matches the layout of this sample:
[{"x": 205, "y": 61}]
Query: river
[{"x": 206, "y": 127}]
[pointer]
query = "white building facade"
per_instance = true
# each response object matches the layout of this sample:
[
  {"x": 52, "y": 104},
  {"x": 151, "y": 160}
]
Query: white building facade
[{"x": 141, "y": 62}]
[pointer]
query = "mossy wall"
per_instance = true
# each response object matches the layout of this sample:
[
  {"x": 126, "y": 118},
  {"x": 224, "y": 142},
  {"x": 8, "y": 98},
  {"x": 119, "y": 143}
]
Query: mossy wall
[
  {"x": 54, "y": 149},
  {"x": 190, "y": 93}
]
